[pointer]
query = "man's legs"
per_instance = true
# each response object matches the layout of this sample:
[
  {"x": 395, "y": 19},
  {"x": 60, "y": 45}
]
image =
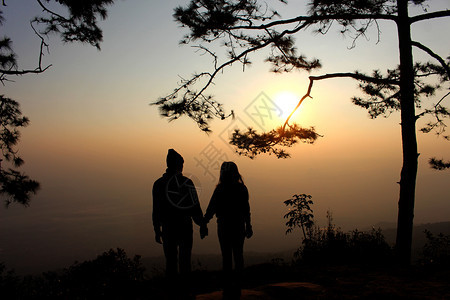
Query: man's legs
[
  {"x": 170, "y": 246},
  {"x": 185, "y": 252}
]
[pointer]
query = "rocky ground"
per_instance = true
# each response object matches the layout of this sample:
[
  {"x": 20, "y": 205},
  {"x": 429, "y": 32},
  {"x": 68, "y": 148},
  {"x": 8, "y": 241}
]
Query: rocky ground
[{"x": 353, "y": 283}]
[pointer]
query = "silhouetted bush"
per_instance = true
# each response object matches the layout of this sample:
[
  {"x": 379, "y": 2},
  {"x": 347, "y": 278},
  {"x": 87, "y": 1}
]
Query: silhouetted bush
[
  {"x": 112, "y": 275},
  {"x": 9, "y": 283},
  {"x": 331, "y": 245},
  {"x": 436, "y": 251}
]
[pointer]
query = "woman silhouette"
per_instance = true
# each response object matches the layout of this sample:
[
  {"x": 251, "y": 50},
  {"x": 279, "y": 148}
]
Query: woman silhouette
[{"x": 229, "y": 203}]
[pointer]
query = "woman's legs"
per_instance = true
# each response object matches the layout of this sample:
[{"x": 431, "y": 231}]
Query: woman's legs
[
  {"x": 225, "y": 241},
  {"x": 231, "y": 239},
  {"x": 225, "y": 247},
  {"x": 238, "y": 255}
]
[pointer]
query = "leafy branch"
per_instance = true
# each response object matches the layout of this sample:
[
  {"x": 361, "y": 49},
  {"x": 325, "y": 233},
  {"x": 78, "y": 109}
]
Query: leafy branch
[
  {"x": 300, "y": 214},
  {"x": 17, "y": 187},
  {"x": 439, "y": 164},
  {"x": 79, "y": 26},
  {"x": 251, "y": 143}
]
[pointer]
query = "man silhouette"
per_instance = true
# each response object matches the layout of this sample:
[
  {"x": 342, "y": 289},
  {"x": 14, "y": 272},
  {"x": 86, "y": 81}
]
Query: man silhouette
[{"x": 175, "y": 205}]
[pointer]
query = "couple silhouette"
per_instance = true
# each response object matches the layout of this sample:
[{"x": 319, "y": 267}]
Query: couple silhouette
[{"x": 176, "y": 205}]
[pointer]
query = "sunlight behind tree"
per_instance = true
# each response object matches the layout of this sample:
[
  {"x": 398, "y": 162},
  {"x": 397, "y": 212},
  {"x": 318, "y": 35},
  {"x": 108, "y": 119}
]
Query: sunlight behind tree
[{"x": 287, "y": 101}]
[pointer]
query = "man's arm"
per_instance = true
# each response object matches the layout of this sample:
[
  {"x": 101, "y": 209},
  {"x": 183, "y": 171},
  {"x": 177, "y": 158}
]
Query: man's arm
[{"x": 197, "y": 213}]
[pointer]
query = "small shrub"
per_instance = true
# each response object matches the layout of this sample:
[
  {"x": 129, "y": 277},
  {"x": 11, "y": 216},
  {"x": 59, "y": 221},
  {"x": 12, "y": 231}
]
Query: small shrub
[
  {"x": 9, "y": 283},
  {"x": 111, "y": 275},
  {"x": 436, "y": 251},
  {"x": 337, "y": 247}
]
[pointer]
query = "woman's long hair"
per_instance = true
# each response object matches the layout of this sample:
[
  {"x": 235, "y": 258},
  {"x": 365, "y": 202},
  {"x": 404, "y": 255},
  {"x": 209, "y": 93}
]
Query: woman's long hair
[{"x": 229, "y": 173}]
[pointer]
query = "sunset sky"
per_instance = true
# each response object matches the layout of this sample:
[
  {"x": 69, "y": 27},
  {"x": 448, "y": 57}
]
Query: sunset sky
[{"x": 96, "y": 145}]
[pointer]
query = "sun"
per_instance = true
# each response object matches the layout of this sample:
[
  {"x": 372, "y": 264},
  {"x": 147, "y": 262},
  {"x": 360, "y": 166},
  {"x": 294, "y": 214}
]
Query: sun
[{"x": 286, "y": 101}]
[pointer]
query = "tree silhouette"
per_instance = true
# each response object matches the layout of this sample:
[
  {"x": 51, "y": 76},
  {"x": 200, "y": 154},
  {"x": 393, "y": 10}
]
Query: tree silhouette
[
  {"x": 78, "y": 24},
  {"x": 248, "y": 26},
  {"x": 16, "y": 187}
]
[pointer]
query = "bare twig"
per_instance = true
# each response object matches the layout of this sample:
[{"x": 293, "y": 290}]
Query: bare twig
[{"x": 44, "y": 8}]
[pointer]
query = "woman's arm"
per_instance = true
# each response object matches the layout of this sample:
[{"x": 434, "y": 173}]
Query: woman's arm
[
  {"x": 246, "y": 206},
  {"x": 212, "y": 206},
  {"x": 246, "y": 213}
]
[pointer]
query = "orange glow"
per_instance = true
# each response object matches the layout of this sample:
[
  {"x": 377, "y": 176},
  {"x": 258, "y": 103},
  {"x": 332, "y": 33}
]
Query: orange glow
[{"x": 286, "y": 101}]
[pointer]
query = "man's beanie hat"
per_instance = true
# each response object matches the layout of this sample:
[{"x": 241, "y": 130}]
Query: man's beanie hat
[{"x": 174, "y": 159}]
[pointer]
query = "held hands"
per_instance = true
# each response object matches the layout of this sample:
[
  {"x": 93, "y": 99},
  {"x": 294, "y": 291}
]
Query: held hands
[
  {"x": 158, "y": 237},
  {"x": 203, "y": 231},
  {"x": 248, "y": 231}
]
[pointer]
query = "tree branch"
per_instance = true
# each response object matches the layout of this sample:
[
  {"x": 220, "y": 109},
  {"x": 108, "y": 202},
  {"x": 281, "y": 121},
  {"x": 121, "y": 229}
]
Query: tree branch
[
  {"x": 243, "y": 54},
  {"x": 432, "y": 54},
  {"x": 49, "y": 11},
  {"x": 22, "y": 72},
  {"x": 356, "y": 76},
  {"x": 316, "y": 18},
  {"x": 437, "y": 14}
]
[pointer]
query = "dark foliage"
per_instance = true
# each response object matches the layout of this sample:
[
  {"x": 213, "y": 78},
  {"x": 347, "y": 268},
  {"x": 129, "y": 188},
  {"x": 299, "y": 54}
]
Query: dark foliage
[
  {"x": 300, "y": 214},
  {"x": 211, "y": 19},
  {"x": 10, "y": 283},
  {"x": 252, "y": 143},
  {"x": 111, "y": 275},
  {"x": 11, "y": 121},
  {"x": 439, "y": 164},
  {"x": 78, "y": 23},
  {"x": 199, "y": 108},
  {"x": 332, "y": 246},
  {"x": 15, "y": 186},
  {"x": 81, "y": 22},
  {"x": 436, "y": 251},
  {"x": 383, "y": 97},
  {"x": 7, "y": 55}
]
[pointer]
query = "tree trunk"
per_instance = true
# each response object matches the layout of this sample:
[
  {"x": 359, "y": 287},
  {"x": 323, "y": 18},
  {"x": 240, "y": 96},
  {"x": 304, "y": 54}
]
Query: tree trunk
[{"x": 409, "y": 141}]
